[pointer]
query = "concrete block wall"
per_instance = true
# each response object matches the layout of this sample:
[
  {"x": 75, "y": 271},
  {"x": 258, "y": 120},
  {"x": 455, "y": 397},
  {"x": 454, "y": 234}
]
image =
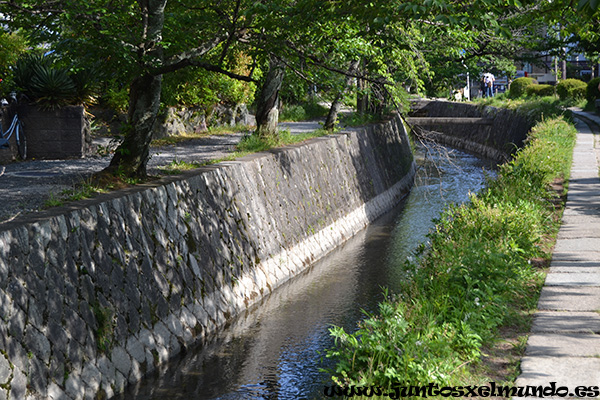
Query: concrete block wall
[
  {"x": 95, "y": 294},
  {"x": 54, "y": 134},
  {"x": 497, "y": 141}
]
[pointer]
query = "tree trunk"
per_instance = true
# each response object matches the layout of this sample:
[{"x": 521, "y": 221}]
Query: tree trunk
[
  {"x": 337, "y": 103},
  {"x": 362, "y": 98},
  {"x": 267, "y": 112},
  {"x": 132, "y": 155}
]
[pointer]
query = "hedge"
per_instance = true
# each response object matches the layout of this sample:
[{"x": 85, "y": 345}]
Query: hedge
[
  {"x": 571, "y": 89},
  {"x": 592, "y": 93},
  {"x": 519, "y": 86},
  {"x": 540, "y": 90}
]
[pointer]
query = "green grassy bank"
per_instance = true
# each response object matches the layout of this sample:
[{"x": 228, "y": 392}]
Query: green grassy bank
[{"x": 478, "y": 274}]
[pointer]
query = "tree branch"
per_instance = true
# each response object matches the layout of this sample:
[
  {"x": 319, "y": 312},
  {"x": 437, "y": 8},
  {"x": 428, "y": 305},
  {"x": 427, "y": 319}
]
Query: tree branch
[
  {"x": 324, "y": 65},
  {"x": 197, "y": 63}
]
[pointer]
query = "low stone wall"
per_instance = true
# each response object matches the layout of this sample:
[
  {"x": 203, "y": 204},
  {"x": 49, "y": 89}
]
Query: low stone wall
[
  {"x": 496, "y": 141},
  {"x": 96, "y": 294}
]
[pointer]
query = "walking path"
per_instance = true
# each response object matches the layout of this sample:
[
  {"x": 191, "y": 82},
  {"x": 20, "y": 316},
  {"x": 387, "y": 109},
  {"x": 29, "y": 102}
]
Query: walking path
[
  {"x": 26, "y": 186},
  {"x": 564, "y": 345}
]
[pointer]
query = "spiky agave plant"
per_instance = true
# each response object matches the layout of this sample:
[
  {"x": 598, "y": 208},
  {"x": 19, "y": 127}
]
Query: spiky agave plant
[
  {"x": 24, "y": 70},
  {"x": 43, "y": 82},
  {"x": 86, "y": 86},
  {"x": 52, "y": 87}
]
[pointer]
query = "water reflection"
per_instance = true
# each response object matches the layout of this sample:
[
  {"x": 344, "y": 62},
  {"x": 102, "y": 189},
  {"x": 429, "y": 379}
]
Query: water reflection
[{"x": 275, "y": 350}]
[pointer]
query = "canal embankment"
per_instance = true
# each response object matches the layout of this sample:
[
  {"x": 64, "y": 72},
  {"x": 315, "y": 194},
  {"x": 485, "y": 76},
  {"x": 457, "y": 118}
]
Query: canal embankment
[{"x": 99, "y": 292}]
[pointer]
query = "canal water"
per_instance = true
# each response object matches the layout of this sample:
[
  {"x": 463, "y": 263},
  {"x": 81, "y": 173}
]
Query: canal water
[{"x": 276, "y": 350}]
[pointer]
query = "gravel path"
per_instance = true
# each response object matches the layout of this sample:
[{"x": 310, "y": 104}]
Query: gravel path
[{"x": 26, "y": 186}]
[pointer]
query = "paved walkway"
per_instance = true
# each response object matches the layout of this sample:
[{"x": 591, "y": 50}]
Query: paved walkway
[{"x": 564, "y": 345}]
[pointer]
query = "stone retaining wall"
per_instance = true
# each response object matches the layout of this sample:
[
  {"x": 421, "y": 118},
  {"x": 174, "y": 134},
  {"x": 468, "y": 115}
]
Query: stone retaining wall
[
  {"x": 95, "y": 294},
  {"x": 497, "y": 141}
]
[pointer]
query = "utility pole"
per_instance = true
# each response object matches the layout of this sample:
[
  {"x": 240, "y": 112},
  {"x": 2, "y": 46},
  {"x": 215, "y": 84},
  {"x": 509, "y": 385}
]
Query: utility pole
[
  {"x": 468, "y": 88},
  {"x": 564, "y": 64}
]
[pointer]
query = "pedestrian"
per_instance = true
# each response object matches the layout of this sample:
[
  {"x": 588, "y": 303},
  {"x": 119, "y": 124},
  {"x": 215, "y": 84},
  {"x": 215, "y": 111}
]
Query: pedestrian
[
  {"x": 489, "y": 84},
  {"x": 482, "y": 86}
]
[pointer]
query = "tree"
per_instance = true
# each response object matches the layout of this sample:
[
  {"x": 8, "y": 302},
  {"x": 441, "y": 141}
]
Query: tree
[
  {"x": 267, "y": 110},
  {"x": 12, "y": 45},
  {"x": 138, "y": 41}
]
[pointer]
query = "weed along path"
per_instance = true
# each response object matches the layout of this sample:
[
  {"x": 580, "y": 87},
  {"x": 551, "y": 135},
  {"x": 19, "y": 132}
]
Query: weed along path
[
  {"x": 31, "y": 185},
  {"x": 564, "y": 346}
]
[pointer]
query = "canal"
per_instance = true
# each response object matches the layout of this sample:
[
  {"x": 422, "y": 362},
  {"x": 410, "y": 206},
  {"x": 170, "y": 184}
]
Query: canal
[{"x": 276, "y": 350}]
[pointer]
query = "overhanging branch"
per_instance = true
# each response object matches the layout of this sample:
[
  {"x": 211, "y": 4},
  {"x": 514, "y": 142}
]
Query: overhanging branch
[{"x": 204, "y": 65}]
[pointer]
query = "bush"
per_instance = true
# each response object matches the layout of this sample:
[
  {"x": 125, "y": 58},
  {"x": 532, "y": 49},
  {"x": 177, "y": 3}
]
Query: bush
[
  {"x": 294, "y": 112},
  {"x": 571, "y": 89},
  {"x": 538, "y": 109},
  {"x": 519, "y": 86},
  {"x": 592, "y": 93},
  {"x": 307, "y": 111},
  {"x": 540, "y": 90},
  {"x": 12, "y": 45}
]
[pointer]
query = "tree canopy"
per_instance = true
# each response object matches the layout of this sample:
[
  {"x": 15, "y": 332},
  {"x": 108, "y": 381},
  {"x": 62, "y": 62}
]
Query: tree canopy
[{"x": 391, "y": 44}]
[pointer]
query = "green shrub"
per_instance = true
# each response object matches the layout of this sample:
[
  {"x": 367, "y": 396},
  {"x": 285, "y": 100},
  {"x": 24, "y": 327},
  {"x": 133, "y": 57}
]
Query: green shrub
[
  {"x": 12, "y": 45},
  {"x": 51, "y": 87},
  {"x": 293, "y": 112},
  {"x": 592, "y": 93},
  {"x": 25, "y": 69},
  {"x": 196, "y": 87},
  {"x": 540, "y": 90},
  {"x": 315, "y": 110},
  {"x": 519, "y": 86},
  {"x": 303, "y": 112},
  {"x": 86, "y": 86},
  {"x": 116, "y": 99},
  {"x": 571, "y": 89}
]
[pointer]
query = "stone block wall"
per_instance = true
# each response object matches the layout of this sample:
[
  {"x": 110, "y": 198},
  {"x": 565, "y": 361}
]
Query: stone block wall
[
  {"x": 496, "y": 141},
  {"x": 95, "y": 294}
]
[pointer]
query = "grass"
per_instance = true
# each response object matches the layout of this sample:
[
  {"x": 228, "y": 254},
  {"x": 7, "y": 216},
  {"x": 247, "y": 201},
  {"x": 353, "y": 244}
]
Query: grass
[
  {"x": 176, "y": 167},
  {"x": 248, "y": 145},
  {"x": 537, "y": 108},
  {"x": 476, "y": 277},
  {"x": 254, "y": 144},
  {"x": 88, "y": 188}
]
